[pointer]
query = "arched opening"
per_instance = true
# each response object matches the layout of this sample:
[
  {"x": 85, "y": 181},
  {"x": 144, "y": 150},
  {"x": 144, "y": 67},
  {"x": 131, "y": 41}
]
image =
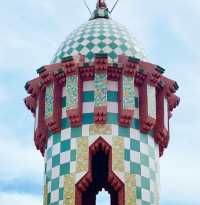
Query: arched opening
[
  {"x": 103, "y": 198},
  {"x": 100, "y": 176}
]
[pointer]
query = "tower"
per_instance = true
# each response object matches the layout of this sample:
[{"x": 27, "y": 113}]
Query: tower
[{"x": 101, "y": 117}]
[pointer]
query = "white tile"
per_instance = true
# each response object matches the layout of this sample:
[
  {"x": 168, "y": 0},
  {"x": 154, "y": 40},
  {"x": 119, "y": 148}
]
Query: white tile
[
  {"x": 49, "y": 164},
  {"x": 112, "y": 107},
  {"x": 152, "y": 164},
  {"x": 55, "y": 172},
  {"x": 114, "y": 130},
  {"x": 134, "y": 134},
  {"x": 145, "y": 195},
  {"x": 135, "y": 156},
  {"x": 64, "y": 114},
  {"x": 145, "y": 171},
  {"x": 65, "y": 157},
  {"x": 50, "y": 142},
  {"x": 49, "y": 187},
  {"x": 54, "y": 195},
  {"x": 138, "y": 180},
  {"x": 88, "y": 107},
  {"x": 138, "y": 201},
  {"x": 65, "y": 134},
  {"x": 126, "y": 143},
  {"x": 73, "y": 143},
  {"x": 56, "y": 149},
  {"x": 88, "y": 85},
  {"x": 136, "y": 113},
  {"x": 144, "y": 148},
  {"x": 112, "y": 85},
  {"x": 61, "y": 181}
]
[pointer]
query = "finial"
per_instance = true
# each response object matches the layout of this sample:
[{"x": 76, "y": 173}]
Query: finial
[{"x": 101, "y": 4}]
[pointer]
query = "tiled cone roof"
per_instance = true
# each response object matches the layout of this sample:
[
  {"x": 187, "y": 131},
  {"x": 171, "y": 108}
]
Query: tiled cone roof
[{"x": 100, "y": 35}]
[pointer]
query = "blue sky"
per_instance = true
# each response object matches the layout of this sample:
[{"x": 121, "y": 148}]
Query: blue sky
[{"x": 31, "y": 31}]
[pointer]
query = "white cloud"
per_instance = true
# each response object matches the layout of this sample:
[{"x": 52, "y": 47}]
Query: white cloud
[
  {"x": 19, "y": 199},
  {"x": 19, "y": 160}
]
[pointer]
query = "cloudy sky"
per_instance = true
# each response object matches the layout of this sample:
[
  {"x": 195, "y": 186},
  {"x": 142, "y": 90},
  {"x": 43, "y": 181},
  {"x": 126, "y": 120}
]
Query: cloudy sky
[{"x": 31, "y": 31}]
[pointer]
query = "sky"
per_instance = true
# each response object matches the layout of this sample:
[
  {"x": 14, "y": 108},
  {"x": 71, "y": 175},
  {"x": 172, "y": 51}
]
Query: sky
[{"x": 30, "y": 33}]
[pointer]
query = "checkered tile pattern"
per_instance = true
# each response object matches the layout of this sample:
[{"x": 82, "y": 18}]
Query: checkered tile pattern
[
  {"x": 99, "y": 36},
  {"x": 140, "y": 153}
]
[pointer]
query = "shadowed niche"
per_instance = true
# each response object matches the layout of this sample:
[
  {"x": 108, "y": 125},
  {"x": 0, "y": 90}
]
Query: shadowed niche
[{"x": 100, "y": 176}]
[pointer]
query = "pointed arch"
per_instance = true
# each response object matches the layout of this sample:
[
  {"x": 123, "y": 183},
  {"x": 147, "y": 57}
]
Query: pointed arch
[{"x": 99, "y": 175}]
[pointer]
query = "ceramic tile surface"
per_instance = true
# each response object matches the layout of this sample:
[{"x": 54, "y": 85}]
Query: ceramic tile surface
[
  {"x": 100, "y": 36},
  {"x": 49, "y": 101},
  {"x": 71, "y": 92},
  {"x": 151, "y": 93},
  {"x": 128, "y": 93},
  {"x": 100, "y": 83}
]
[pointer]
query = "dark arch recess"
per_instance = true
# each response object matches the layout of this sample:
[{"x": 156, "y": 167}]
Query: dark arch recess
[{"x": 100, "y": 175}]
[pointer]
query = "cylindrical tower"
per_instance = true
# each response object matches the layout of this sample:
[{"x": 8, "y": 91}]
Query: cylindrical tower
[{"x": 101, "y": 117}]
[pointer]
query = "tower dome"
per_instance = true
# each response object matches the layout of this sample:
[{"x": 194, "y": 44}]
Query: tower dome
[
  {"x": 101, "y": 121},
  {"x": 100, "y": 35}
]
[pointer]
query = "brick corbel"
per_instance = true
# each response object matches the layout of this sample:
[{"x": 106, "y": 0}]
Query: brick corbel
[
  {"x": 41, "y": 131},
  {"x": 30, "y": 103}
]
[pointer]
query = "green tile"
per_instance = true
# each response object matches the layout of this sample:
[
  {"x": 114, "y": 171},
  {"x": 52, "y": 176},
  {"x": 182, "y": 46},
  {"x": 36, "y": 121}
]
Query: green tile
[
  {"x": 64, "y": 169},
  {"x": 56, "y": 160},
  {"x": 135, "y": 145},
  {"x": 54, "y": 184},
  {"x": 112, "y": 55},
  {"x": 124, "y": 132},
  {"x": 136, "y": 102},
  {"x": 101, "y": 37},
  {"x": 90, "y": 55},
  {"x": 48, "y": 176},
  {"x": 56, "y": 138},
  {"x": 90, "y": 45},
  {"x": 76, "y": 132},
  {"x": 144, "y": 159},
  {"x": 112, "y": 96},
  {"x": 138, "y": 193},
  {"x": 65, "y": 145},
  {"x": 48, "y": 198},
  {"x": 73, "y": 155},
  {"x": 145, "y": 183},
  {"x": 65, "y": 123},
  {"x": 49, "y": 153},
  {"x": 135, "y": 168},
  {"x": 63, "y": 102},
  {"x": 127, "y": 154},
  {"x": 88, "y": 96},
  {"x": 80, "y": 40},
  {"x": 123, "y": 47},
  {"x": 88, "y": 118},
  {"x": 80, "y": 47},
  {"x": 112, "y": 118},
  {"x": 61, "y": 193},
  {"x": 144, "y": 138},
  {"x": 101, "y": 45},
  {"x": 136, "y": 124},
  {"x": 55, "y": 203},
  {"x": 113, "y": 45},
  {"x": 146, "y": 203}
]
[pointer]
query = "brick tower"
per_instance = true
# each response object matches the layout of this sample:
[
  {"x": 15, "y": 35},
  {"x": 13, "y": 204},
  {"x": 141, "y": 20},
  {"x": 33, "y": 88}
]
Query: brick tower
[{"x": 101, "y": 117}]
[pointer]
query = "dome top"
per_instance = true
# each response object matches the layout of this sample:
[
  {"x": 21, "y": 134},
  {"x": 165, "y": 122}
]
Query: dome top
[{"x": 100, "y": 35}]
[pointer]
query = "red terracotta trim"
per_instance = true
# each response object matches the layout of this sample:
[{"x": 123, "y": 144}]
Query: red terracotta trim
[
  {"x": 30, "y": 103},
  {"x": 161, "y": 134},
  {"x": 41, "y": 131},
  {"x": 100, "y": 114},
  {"x": 85, "y": 182},
  {"x": 54, "y": 122}
]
